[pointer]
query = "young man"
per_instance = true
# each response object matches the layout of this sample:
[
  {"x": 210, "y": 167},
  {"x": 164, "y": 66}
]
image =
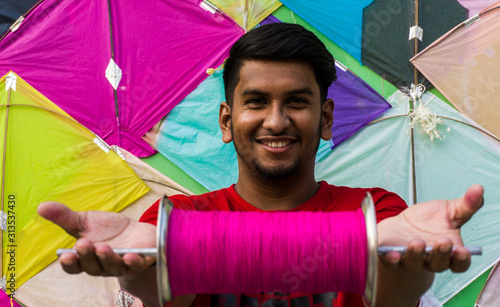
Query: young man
[{"x": 276, "y": 80}]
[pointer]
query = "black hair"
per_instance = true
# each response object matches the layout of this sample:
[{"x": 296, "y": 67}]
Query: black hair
[{"x": 280, "y": 41}]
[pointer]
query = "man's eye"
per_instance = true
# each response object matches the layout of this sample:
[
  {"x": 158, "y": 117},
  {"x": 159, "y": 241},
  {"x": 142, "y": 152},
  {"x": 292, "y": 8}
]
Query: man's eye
[
  {"x": 298, "y": 101},
  {"x": 256, "y": 102}
]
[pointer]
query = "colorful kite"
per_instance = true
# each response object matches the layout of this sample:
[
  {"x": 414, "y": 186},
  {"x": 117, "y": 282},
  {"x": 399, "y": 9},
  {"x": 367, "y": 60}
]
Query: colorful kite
[
  {"x": 463, "y": 65},
  {"x": 384, "y": 34},
  {"x": 47, "y": 155},
  {"x": 247, "y": 13},
  {"x": 117, "y": 67},
  {"x": 51, "y": 286},
  {"x": 445, "y": 168}
]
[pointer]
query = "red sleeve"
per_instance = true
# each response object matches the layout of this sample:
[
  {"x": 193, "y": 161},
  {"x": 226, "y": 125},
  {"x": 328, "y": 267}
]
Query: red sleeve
[
  {"x": 387, "y": 204},
  {"x": 178, "y": 201},
  {"x": 151, "y": 214}
]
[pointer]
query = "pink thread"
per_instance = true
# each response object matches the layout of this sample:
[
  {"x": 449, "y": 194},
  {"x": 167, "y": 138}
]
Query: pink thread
[{"x": 252, "y": 252}]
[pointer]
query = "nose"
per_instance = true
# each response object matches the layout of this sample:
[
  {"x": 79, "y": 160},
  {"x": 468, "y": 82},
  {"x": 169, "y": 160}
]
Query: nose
[{"x": 276, "y": 119}]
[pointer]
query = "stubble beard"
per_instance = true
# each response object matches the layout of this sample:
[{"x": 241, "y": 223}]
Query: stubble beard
[{"x": 274, "y": 173}]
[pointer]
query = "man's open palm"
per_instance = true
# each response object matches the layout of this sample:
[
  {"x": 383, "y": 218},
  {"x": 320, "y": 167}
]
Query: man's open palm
[{"x": 97, "y": 233}]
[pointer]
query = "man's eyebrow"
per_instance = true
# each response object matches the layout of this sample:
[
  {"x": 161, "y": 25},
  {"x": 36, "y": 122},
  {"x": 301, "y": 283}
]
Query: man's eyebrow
[
  {"x": 256, "y": 92},
  {"x": 253, "y": 92},
  {"x": 304, "y": 90}
]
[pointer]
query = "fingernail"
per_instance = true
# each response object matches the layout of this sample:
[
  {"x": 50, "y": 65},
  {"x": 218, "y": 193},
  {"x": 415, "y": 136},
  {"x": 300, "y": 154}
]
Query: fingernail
[
  {"x": 445, "y": 249},
  {"x": 462, "y": 257},
  {"x": 103, "y": 256},
  {"x": 84, "y": 252},
  {"x": 418, "y": 249}
]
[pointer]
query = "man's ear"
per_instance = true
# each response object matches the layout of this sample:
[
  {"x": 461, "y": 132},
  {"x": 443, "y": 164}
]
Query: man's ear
[
  {"x": 225, "y": 122},
  {"x": 327, "y": 119}
]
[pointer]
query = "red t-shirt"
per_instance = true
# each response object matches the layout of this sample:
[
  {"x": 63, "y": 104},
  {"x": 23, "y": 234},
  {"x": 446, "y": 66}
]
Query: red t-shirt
[{"x": 328, "y": 198}]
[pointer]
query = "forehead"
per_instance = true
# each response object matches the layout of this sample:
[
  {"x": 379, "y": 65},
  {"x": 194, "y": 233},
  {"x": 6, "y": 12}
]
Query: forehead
[{"x": 272, "y": 76}]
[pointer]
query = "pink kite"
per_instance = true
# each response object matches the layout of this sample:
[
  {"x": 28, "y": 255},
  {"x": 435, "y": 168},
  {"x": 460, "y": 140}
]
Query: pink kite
[
  {"x": 6, "y": 300},
  {"x": 475, "y": 6},
  {"x": 162, "y": 49},
  {"x": 463, "y": 65}
]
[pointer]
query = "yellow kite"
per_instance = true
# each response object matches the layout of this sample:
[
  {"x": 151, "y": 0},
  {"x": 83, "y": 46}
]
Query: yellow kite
[{"x": 47, "y": 155}]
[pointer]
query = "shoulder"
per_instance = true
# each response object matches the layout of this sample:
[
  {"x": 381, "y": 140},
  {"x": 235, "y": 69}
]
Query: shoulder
[
  {"x": 346, "y": 198},
  {"x": 215, "y": 200}
]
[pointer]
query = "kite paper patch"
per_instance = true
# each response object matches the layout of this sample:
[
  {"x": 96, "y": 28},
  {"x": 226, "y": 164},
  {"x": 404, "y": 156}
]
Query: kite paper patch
[
  {"x": 416, "y": 32},
  {"x": 10, "y": 82},
  {"x": 99, "y": 142},
  {"x": 113, "y": 74},
  {"x": 124, "y": 299}
]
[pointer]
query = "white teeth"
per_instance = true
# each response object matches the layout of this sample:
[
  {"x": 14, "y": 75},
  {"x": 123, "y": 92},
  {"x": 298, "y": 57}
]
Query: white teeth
[{"x": 277, "y": 144}]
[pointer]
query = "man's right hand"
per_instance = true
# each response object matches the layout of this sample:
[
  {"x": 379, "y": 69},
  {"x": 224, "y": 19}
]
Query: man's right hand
[{"x": 97, "y": 233}]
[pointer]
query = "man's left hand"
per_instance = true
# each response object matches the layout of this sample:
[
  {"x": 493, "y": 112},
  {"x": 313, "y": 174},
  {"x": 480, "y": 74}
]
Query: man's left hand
[{"x": 433, "y": 223}]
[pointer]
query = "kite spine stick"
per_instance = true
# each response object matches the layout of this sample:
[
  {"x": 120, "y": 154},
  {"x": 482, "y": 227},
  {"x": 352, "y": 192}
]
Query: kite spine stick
[
  {"x": 412, "y": 157},
  {"x": 245, "y": 16},
  {"x": 4, "y": 153},
  {"x": 112, "y": 47},
  {"x": 412, "y": 105}
]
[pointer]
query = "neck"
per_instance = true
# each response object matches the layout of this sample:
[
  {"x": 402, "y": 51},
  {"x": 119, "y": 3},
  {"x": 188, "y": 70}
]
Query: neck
[{"x": 282, "y": 194}]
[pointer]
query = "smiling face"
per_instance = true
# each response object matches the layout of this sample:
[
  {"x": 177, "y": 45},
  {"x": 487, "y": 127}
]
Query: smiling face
[{"x": 276, "y": 119}]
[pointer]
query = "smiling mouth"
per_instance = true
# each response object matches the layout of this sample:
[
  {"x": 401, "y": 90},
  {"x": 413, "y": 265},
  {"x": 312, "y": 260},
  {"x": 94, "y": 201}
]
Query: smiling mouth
[{"x": 278, "y": 144}]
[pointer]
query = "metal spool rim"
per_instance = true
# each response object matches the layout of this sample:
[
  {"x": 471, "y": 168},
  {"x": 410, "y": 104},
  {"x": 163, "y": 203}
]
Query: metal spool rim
[
  {"x": 371, "y": 235},
  {"x": 164, "y": 210}
]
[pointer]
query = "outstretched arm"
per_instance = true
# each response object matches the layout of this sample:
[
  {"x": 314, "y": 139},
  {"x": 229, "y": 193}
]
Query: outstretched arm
[
  {"x": 97, "y": 233},
  {"x": 404, "y": 278}
]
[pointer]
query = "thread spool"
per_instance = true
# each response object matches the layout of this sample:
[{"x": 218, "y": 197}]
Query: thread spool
[{"x": 170, "y": 242}]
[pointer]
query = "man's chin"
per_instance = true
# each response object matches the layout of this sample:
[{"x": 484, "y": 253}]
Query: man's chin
[{"x": 276, "y": 173}]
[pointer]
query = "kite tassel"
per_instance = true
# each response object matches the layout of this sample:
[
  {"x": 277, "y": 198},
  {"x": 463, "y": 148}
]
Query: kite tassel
[
  {"x": 211, "y": 71},
  {"x": 424, "y": 116}
]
